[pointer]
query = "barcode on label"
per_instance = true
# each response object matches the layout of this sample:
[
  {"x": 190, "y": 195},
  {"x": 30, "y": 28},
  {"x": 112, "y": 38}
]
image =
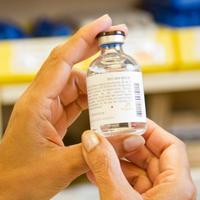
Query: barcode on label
[{"x": 138, "y": 100}]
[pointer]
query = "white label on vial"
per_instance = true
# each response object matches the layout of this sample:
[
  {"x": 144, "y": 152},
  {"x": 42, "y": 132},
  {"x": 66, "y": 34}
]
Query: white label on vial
[{"x": 115, "y": 97}]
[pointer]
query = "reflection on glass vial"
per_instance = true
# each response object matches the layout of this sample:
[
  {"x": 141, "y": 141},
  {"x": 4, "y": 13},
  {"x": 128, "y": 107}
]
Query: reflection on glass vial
[{"x": 115, "y": 89}]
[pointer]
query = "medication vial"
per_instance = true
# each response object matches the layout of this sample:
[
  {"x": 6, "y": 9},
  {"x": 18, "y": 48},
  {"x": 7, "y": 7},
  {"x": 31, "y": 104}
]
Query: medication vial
[{"x": 115, "y": 89}]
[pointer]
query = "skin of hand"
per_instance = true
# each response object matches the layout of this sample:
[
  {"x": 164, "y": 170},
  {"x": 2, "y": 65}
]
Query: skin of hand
[
  {"x": 34, "y": 163},
  {"x": 155, "y": 169}
]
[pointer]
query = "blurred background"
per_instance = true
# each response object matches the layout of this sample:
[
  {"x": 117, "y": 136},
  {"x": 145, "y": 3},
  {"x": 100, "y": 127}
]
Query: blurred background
[{"x": 164, "y": 37}]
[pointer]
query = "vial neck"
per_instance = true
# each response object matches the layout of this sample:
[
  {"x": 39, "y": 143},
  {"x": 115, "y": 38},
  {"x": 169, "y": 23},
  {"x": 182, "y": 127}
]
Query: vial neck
[{"x": 111, "y": 48}]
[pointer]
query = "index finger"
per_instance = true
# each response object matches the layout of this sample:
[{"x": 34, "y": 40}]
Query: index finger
[{"x": 56, "y": 70}]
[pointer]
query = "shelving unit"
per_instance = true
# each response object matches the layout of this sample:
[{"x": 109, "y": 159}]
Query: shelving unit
[{"x": 154, "y": 83}]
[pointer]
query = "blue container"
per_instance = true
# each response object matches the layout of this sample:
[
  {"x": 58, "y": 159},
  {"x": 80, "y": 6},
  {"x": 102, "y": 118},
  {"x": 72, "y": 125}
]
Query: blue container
[
  {"x": 11, "y": 31},
  {"x": 173, "y": 17},
  {"x": 177, "y": 4},
  {"x": 48, "y": 28}
]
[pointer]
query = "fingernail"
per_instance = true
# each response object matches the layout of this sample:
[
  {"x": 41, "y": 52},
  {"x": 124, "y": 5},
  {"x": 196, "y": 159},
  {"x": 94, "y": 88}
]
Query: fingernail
[
  {"x": 89, "y": 140},
  {"x": 133, "y": 142},
  {"x": 103, "y": 17},
  {"x": 123, "y": 26}
]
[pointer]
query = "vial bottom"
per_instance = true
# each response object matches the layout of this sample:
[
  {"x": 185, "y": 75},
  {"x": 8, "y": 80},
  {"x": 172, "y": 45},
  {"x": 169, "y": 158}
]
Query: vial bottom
[{"x": 135, "y": 128}]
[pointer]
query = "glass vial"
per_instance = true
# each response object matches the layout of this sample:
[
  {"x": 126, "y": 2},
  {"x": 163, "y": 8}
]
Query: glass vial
[{"x": 115, "y": 89}]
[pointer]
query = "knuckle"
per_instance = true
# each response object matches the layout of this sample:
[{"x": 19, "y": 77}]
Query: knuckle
[
  {"x": 17, "y": 110},
  {"x": 81, "y": 34},
  {"x": 182, "y": 145},
  {"x": 193, "y": 191},
  {"x": 20, "y": 105},
  {"x": 81, "y": 31},
  {"x": 190, "y": 192},
  {"x": 102, "y": 164},
  {"x": 167, "y": 176},
  {"x": 179, "y": 143},
  {"x": 56, "y": 53},
  {"x": 20, "y": 113},
  {"x": 104, "y": 167},
  {"x": 26, "y": 104}
]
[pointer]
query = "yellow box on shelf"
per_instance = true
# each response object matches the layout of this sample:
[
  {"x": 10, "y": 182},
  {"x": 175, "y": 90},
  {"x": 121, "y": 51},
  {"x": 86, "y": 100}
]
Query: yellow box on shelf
[
  {"x": 187, "y": 42},
  {"x": 153, "y": 48},
  {"x": 21, "y": 59}
]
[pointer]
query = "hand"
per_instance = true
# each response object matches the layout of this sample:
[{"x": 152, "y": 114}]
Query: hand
[
  {"x": 158, "y": 170},
  {"x": 34, "y": 163}
]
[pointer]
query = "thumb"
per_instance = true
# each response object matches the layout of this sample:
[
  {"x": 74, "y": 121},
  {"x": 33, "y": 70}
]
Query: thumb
[{"x": 104, "y": 164}]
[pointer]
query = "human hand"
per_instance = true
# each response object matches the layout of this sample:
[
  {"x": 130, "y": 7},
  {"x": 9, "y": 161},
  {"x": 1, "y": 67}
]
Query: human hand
[
  {"x": 34, "y": 163},
  {"x": 158, "y": 170}
]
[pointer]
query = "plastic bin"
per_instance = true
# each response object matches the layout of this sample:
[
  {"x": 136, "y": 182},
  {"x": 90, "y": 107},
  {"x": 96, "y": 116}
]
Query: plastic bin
[
  {"x": 21, "y": 59},
  {"x": 153, "y": 49},
  {"x": 174, "y": 18},
  {"x": 49, "y": 28},
  {"x": 177, "y": 4},
  {"x": 11, "y": 31},
  {"x": 187, "y": 41}
]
